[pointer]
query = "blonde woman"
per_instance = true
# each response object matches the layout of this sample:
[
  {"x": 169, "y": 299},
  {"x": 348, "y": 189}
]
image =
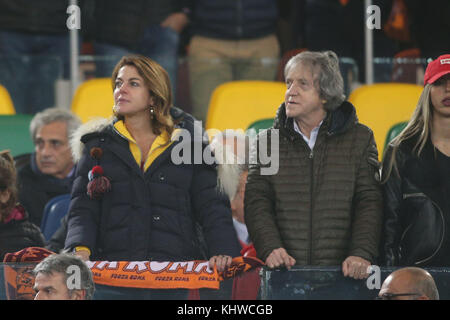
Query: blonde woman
[{"x": 416, "y": 175}]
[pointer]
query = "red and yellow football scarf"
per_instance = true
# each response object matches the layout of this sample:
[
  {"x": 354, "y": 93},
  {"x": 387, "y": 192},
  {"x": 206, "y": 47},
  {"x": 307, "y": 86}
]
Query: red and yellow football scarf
[
  {"x": 19, "y": 280},
  {"x": 167, "y": 275},
  {"x": 131, "y": 274}
]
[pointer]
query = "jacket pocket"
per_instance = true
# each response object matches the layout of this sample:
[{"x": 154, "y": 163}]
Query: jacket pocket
[{"x": 422, "y": 239}]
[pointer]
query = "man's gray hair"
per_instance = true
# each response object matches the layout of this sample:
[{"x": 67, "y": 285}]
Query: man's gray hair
[
  {"x": 327, "y": 76},
  {"x": 60, "y": 263},
  {"x": 51, "y": 115}
]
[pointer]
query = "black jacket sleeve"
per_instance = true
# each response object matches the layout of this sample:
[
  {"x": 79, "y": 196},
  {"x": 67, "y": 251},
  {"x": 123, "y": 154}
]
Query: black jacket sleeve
[
  {"x": 84, "y": 212},
  {"x": 392, "y": 194},
  {"x": 56, "y": 242},
  {"x": 367, "y": 201}
]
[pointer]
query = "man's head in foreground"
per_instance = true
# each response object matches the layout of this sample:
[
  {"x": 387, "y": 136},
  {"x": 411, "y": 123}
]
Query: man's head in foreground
[
  {"x": 409, "y": 283},
  {"x": 63, "y": 277}
]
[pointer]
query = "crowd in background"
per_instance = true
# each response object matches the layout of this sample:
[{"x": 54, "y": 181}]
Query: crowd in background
[
  {"x": 225, "y": 40},
  {"x": 221, "y": 40}
]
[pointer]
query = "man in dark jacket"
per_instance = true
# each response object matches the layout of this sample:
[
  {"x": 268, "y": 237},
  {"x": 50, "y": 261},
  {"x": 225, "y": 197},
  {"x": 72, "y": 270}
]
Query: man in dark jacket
[
  {"x": 324, "y": 205},
  {"x": 51, "y": 169}
]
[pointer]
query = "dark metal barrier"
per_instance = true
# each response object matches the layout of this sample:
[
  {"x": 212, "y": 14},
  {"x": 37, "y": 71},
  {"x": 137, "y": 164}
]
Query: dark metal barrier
[
  {"x": 299, "y": 283},
  {"x": 328, "y": 283}
]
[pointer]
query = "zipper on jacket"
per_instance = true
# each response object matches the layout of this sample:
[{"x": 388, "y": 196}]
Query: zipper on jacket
[
  {"x": 411, "y": 195},
  {"x": 311, "y": 158},
  {"x": 311, "y": 166}
]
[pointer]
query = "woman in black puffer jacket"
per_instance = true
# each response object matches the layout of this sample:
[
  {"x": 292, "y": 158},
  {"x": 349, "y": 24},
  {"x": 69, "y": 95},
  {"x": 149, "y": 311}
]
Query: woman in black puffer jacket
[
  {"x": 16, "y": 232},
  {"x": 132, "y": 200}
]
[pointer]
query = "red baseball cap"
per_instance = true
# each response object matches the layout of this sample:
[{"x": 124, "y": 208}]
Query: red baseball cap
[{"x": 437, "y": 68}]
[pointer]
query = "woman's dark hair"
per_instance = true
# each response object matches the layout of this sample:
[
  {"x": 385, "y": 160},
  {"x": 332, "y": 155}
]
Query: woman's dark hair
[{"x": 7, "y": 183}]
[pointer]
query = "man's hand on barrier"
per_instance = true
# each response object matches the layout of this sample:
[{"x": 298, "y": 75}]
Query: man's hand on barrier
[
  {"x": 279, "y": 257},
  {"x": 222, "y": 262},
  {"x": 355, "y": 267}
]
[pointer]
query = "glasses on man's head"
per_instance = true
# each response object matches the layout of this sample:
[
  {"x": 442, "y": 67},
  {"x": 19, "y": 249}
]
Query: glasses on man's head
[{"x": 390, "y": 296}]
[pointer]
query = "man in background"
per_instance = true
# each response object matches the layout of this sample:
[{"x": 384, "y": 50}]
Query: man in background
[{"x": 51, "y": 169}]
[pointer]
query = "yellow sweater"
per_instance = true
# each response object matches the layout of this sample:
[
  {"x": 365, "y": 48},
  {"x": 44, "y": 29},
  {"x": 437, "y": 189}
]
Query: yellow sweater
[{"x": 161, "y": 143}]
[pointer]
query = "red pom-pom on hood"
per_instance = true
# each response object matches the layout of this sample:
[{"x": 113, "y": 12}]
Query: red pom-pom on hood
[{"x": 97, "y": 170}]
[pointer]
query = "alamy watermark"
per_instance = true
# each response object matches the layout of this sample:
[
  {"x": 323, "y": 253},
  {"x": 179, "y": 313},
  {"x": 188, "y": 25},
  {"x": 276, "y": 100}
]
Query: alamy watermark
[
  {"x": 262, "y": 150},
  {"x": 74, "y": 19},
  {"x": 373, "y": 20},
  {"x": 373, "y": 17},
  {"x": 74, "y": 279},
  {"x": 374, "y": 280}
]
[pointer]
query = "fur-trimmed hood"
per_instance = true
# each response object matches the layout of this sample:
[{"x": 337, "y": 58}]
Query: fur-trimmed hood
[
  {"x": 98, "y": 124},
  {"x": 338, "y": 121},
  {"x": 228, "y": 171},
  {"x": 94, "y": 125}
]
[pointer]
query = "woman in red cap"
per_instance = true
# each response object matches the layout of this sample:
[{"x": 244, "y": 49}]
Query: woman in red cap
[{"x": 416, "y": 177}]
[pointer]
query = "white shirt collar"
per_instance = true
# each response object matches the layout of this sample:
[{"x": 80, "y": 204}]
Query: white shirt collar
[
  {"x": 241, "y": 231},
  {"x": 311, "y": 141}
]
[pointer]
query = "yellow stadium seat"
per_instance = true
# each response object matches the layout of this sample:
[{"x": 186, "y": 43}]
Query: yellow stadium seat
[
  {"x": 6, "y": 104},
  {"x": 380, "y": 106},
  {"x": 261, "y": 124},
  {"x": 238, "y": 104},
  {"x": 93, "y": 98}
]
